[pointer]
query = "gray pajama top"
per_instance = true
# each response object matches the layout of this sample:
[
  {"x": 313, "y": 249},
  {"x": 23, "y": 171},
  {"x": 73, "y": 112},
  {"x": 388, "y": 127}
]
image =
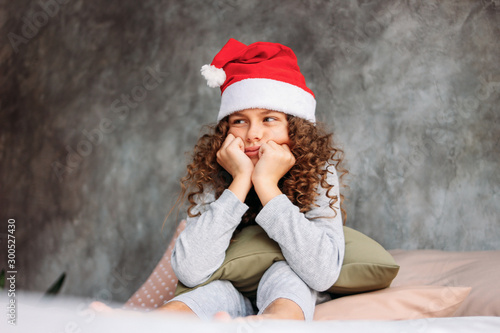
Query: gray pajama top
[{"x": 312, "y": 243}]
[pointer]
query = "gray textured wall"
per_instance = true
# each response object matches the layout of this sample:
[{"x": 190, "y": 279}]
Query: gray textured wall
[{"x": 100, "y": 100}]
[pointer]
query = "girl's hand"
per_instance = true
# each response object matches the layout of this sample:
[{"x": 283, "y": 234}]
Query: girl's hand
[
  {"x": 231, "y": 156},
  {"x": 274, "y": 162}
]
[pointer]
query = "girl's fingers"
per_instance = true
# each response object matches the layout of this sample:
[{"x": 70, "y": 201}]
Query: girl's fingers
[
  {"x": 223, "y": 149},
  {"x": 240, "y": 143},
  {"x": 285, "y": 146},
  {"x": 229, "y": 139},
  {"x": 270, "y": 144},
  {"x": 275, "y": 146},
  {"x": 262, "y": 149},
  {"x": 231, "y": 156},
  {"x": 233, "y": 140}
]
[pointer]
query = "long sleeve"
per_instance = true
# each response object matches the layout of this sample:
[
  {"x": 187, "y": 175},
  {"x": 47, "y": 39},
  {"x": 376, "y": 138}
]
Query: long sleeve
[
  {"x": 200, "y": 249},
  {"x": 312, "y": 243}
]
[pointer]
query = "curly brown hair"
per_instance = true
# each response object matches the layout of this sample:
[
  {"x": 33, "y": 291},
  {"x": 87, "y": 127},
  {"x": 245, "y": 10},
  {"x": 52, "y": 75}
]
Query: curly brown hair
[{"x": 311, "y": 146}]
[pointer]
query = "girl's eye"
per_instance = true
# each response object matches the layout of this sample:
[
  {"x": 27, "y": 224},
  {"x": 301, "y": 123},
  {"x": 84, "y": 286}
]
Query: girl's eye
[
  {"x": 268, "y": 119},
  {"x": 238, "y": 121}
]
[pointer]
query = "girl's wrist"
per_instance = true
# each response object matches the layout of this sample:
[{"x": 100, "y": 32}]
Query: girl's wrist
[
  {"x": 240, "y": 186},
  {"x": 264, "y": 181},
  {"x": 266, "y": 191}
]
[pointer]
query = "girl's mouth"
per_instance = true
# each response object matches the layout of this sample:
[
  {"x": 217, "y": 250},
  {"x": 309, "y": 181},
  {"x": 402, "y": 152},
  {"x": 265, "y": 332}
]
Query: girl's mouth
[{"x": 252, "y": 151}]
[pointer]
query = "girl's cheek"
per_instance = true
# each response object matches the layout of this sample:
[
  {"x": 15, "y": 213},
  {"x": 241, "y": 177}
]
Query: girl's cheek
[
  {"x": 236, "y": 133},
  {"x": 280, "y": 136}
]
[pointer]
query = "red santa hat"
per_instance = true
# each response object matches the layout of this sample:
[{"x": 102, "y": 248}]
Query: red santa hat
[{"x": 261, "y": 75}]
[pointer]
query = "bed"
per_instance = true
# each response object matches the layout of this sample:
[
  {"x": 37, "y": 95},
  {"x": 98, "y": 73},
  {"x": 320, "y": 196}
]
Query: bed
[
  {"x": 434, "y": 291},
  {"x": 430, "y": 284},
  {"x": 72, "y": 316}
]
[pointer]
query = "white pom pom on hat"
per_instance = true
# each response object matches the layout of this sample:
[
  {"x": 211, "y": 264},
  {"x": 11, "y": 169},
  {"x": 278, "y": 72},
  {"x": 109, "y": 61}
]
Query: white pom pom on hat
[
  {"x": 261, "y": 75},
  {"x": 215, "y": 76}
]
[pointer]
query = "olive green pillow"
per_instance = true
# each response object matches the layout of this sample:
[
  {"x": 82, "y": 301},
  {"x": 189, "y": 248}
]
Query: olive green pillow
[{"x": 367, "y": 265}]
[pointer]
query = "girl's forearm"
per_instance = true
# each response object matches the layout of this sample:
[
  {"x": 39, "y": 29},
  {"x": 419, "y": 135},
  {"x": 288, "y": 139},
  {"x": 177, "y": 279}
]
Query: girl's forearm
[{"x": 200, "y": 249}]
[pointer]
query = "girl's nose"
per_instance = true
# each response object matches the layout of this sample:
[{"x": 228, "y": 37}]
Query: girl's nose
[{"x": 254, "y": 133}]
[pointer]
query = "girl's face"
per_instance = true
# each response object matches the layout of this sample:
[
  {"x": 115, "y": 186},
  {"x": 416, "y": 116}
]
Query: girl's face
[{"x": 258, "y": 126}]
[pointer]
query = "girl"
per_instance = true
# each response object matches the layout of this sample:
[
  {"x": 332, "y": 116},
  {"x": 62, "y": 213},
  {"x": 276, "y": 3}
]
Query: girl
[{"x": 266, "y": 162}]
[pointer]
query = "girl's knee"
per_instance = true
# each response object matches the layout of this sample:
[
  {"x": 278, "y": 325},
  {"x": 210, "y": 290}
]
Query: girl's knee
[
  {"x": 283, "y": 308},
  {"x": 281, "y": 287}
]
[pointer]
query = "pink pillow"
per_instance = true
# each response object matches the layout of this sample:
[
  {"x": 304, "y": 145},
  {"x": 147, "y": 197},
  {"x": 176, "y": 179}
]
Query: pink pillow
[
  {"x": 398, "y": 303},
  {"x": 160, "y": 286},
  {"x": 479, "y": 270}
]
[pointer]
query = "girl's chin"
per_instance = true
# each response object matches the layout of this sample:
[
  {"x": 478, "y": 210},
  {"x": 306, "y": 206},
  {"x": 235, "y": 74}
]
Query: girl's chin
[{"x": 254, "y": 159}]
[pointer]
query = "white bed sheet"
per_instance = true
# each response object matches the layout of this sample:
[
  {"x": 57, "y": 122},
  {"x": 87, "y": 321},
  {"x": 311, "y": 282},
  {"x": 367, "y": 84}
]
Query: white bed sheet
[{"x": 73, "y": 315}]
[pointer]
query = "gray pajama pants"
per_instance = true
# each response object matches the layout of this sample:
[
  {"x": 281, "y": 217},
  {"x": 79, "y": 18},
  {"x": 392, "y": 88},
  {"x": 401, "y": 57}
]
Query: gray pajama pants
[{"x": 279, "y": 281}]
